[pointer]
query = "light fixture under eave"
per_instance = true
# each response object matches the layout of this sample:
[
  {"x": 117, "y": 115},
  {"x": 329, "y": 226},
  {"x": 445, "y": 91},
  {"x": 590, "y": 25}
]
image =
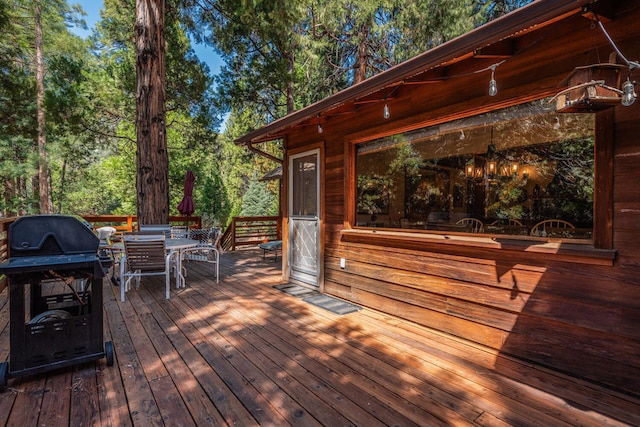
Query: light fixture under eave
[
  {"x": 320, "y": 130},
  {"x": 493, "y": 86},
  {"x": 628, "y": 93},
  {"x": 591, "y": 88},
  {"x": 386, "y": 114}
]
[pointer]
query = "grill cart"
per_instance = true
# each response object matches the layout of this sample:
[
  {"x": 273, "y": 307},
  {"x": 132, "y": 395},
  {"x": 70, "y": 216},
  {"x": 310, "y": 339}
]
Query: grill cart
[{"x": 55, "y": 296}]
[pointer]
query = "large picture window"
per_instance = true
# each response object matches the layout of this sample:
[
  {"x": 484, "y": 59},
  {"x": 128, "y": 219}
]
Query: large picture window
[{"x": 523, "y": 170}]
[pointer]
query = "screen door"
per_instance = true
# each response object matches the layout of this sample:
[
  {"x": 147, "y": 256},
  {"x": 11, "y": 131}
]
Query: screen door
[{"x": 304, "y": 217}]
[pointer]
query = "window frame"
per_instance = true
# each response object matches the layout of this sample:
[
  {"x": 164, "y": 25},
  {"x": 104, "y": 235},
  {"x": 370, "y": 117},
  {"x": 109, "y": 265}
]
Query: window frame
[{"x": 601, "y": 244}]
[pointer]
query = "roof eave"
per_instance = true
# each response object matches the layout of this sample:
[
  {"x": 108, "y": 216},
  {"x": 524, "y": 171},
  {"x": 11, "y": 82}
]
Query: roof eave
[{"x": 532, "y": 15}]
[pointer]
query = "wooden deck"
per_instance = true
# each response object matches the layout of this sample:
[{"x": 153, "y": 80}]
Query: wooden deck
[{"x": 243, "y": 353}]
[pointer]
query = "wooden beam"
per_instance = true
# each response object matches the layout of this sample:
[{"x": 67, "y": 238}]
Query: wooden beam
[{"x": 500, "y": 50}]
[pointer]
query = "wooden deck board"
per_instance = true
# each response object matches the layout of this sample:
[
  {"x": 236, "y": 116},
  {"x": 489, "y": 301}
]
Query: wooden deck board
[{"x": 242, "y": 353}]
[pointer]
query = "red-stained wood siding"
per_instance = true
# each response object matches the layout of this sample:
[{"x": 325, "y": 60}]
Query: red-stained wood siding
[{"x": 574, "y": 314}]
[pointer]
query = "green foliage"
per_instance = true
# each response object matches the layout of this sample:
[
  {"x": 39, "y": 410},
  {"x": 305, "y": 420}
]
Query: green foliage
[
  {"x": 279, "y": 55},
  {"x": 238, "y": 166},
  {"x": 257, "y": 201}
]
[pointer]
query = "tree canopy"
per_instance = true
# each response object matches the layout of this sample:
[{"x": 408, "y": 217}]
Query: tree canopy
[{"x": 279, "y": 56}]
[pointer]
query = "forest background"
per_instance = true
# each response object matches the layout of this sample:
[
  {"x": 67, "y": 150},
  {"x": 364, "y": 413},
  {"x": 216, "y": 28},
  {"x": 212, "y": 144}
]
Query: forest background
[{"x": 67, "y": 104}]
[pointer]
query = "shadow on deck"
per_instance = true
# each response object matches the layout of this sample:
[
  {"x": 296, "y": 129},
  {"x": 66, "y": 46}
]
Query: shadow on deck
[{"x": 243, "y": 353}]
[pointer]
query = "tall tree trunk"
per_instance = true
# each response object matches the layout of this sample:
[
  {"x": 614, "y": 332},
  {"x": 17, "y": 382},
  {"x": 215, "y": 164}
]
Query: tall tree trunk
[
  {"x": 7, "y": 196},
  {"x": 63, "y": 174},
  {"x": 360, "y": 66},
  {"x": 43, "y": 168},
  {"x": 291, "y": 106},
  {"x": 152, "y": 160}
]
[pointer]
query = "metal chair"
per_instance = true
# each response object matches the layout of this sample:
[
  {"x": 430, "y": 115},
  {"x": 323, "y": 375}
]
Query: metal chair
[
  {"x": 179, "y": 232},
  {"x": 207, "y": 249},
  {"x": 476, "y": 225},
  {"x": 553, "y": 228},
  {"x": 145, "y": 255},
  {"x": 156, "y": 228}
]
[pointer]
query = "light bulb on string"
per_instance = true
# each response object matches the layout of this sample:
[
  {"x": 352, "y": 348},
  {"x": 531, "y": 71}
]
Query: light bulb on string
[
  {"x": 320, "y": 130},
  {"x": 385, "y": 112},
  {"x": 493, "y": 86},
  {"x": 628, "y": 93}
]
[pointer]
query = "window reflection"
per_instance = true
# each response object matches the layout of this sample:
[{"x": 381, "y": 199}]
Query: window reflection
[{"x": 509, "y": 169}]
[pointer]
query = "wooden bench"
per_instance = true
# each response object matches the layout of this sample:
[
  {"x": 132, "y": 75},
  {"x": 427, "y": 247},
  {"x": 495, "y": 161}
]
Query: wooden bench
[{"x": 273, "y": 246}]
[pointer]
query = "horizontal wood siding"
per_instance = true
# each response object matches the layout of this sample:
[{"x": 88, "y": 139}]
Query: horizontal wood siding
[
  {"x": 575, "y": 314},
  {"x": 576, "y": 318},
  {"x": 571, "y": 312},
  {"x": 581, "y": 320}
]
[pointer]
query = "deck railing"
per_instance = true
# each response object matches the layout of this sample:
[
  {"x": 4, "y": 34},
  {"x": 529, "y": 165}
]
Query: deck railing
[
  {"x": 124, "y": 223},
  {"x": 251, "y": 230},
  {"x": 4, "y": 246}
]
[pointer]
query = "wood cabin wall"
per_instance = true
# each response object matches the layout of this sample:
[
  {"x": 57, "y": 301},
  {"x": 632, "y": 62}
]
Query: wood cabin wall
[{"x": 572, "y": 314}]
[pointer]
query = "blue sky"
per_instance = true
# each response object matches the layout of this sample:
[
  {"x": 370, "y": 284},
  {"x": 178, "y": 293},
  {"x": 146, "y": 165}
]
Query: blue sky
[{"x": 93, "y": 7}]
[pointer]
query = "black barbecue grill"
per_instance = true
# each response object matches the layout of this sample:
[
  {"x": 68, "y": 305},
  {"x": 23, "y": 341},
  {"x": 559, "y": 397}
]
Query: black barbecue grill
[{"x": 55, "y": 295}]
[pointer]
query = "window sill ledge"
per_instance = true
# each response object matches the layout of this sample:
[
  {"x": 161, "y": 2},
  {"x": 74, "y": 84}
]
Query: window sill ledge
[{"x": 533, "y": 247}]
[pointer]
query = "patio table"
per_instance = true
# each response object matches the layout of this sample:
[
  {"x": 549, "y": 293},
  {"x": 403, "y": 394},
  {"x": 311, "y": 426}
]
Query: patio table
[
  {"x": 178, "y": 245},
  {"x": 173, "y": 246}
]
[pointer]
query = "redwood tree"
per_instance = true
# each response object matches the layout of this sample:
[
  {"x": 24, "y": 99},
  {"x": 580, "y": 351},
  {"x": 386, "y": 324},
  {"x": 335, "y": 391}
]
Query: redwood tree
[
  {"x": 43, "y": 167},
  {"x": 152, "y": 161}
]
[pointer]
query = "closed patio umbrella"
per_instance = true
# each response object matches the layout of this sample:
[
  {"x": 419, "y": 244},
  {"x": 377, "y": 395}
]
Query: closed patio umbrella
[{"x": 185, "y": 207}]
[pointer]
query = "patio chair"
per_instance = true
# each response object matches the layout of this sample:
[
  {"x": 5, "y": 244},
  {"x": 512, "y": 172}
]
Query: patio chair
[
  {"x": 179, "y": 232},
  {"x": 145, "y": 255},
  {"x": 207, "y": 249},
  {"x": 475, "y": 224},
  {"x": 156, "y": 228},
  {"x": 553, "y": 228}
]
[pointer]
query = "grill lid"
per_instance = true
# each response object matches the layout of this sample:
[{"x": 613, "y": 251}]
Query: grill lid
[{"x": 46, "y": 235}]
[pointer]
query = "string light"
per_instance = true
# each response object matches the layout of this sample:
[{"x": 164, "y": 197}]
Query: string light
[
  {"x": 493, "y": 86},
  {"x": 386, "y": 114},
  {"x": 628, "y": 93},
  {"x": 628, "y": 88}
]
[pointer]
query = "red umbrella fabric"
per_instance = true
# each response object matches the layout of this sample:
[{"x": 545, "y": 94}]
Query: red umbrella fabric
[{"x": 186, "y": 205}]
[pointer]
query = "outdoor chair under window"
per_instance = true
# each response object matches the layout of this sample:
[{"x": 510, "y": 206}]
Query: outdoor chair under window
[
  {"x": 476, "y": 226},
  {"x": 207, "y": 249},
  {"x": 145, "y": 255},
  {"x": 553, "y": 228}
]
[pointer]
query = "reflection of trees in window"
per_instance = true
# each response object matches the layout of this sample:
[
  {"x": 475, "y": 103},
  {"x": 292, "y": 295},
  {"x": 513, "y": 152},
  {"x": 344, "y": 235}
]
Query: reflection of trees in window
[
  {"x": 427, "y": 191},
  {"x": 373, "y": 195},
  {"x": 569, "y": 195},
  {"x": 521, "y": 163},
  {"x": 506, "y": 200}
]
